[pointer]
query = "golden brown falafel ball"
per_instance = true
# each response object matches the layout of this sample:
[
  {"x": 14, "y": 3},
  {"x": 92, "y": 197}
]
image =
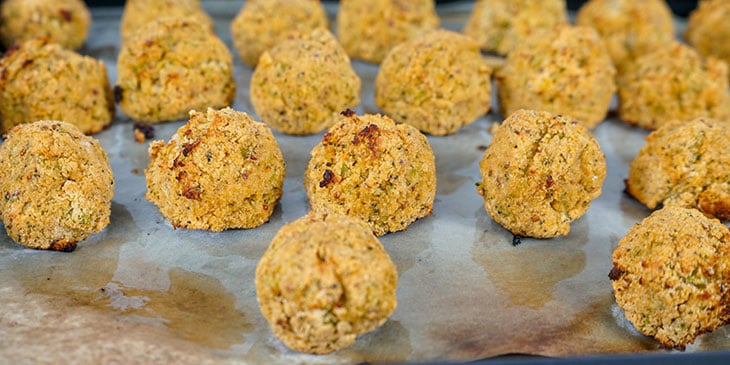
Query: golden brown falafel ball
[
  {"x": 262, "y": 24},
  {"x": 301, "y": 85},
  {"x": 671, "y": 273},
  {"x": 540, "y": 173},
  {"x": 629, "y": 28},
  {"x": 436, "y": 82},
  {"x": 221, "y": 170},
  {"x": 56, "y": 185},
  {"x": 673, "y": 83},
  {"x": 65, "y": 22},
  {"x": 369, "y": 29},
  {"x": 41, "y": 80},
  {"x": 324, "y": 280},
  {"x": 685, "y": 164},
  {"x": 708, "y": 30},
  {"x": 371, "y": 168},
  {"x": 499, "y": 25},
  {"x": 564, "y": 71},
  {"x": 137, "y": 13},
  {"x": 171, "y": 66}
]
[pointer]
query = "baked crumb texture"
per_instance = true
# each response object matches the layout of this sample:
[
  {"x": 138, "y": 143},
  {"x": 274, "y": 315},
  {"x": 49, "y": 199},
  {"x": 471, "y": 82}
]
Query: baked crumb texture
[
  {"x": 436, "y": 82},
  {"x": 137, "y": 13},
  {"x": 221, "y": 170},
  {"x": 369, "y": 29},
  {"x": 56, "y": 185},
  {"x": 708, "y": 30},
  {"x": 371, "y": 168},
  {"x": 671, "y": 275},
  {"x": 40, "y": 80},
  {"x": 301, "y": 85},
  {"x": 324, "y": 280},
  {"x": 540, "y": 173},
  {"x": 65, "y": 22}
]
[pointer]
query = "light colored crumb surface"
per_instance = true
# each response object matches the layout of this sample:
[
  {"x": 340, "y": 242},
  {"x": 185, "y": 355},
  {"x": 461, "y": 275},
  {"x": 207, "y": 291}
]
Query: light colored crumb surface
[
  {"x": 540, "y": 173},
  {"x": 708, "y": 29},
  {"x": 564, "y": 71},
  {"x": 56, "y": 185},
  {"x": 436, "y": 82},
  {"x": 301, "y": 85},
  {"x": 137, "y": 13},
  {"x": 221, "y": 170},
  {"x": 324, "y": 280},
  {"x": 262, "y": 24},
  {"x": 670, "y": 275},
  {"x": 369, "y": 167},
  {"x": 65, "y": 22},
  {"x": 499, "y": 25}
]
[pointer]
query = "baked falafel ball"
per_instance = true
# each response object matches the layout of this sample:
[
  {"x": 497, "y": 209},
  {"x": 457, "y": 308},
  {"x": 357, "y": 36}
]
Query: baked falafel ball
[
  {"x": 437, "y": 82},
  {"x": 65, "y": 22},
  {"x": 540, "y": 172},
  {"x": 670, "y": 275},
  {"x": 685, "y": 164},
  {"x": 369, "y": 29},
  {"x": 171, "y": 66},
  {"x": 40, "y": 80},
  {"x": 708, "y": 30},
  {"x": 301, "y": 85},
  {"x": 137, "y": 13},
  {"x": 262, "y": 24},
  {"x": 566, "y": 71},
  {"x": 221, "y": 170},
  {"x": 324, "y": 280},
  {"x": 56, "y": 185},
  {"x": 374, "y": 169},
  {"x": 499, "y": 25},
  {"x": 673, "y": 83},
  {"x": 629, "y": 28}
]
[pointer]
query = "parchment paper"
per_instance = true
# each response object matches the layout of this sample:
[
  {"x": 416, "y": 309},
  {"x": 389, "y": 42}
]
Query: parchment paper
[{"x": 141, "y": 291}]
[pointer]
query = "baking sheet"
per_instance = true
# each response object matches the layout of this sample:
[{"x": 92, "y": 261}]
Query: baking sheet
[{"x": 141, "y": 291}]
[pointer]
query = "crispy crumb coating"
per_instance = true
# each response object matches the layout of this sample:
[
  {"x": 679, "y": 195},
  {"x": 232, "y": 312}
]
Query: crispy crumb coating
[
  {"x": 301, "y": 85},
  {"x": 685, "y": 164},
  {"x": 324, "y": 280},
  {"x": 137, "y": 13},
  {"x": 262, "y": 24},
  {"x": 673, "y": 83},
  {"x": 629, "y": 28},
  {"x": 369, "y": 167},
  {"x": 369, "y": 29},
  {"x": 65, "y": 22},
  {"x": 499, "y": 25},
  {"x": 540, "y": 173},
  {"x": 221, "y": 170},
  {"x": 436, "y": 82},
  {"x": 671, "y": 275},
  {"x": 708, "y": 30},
  {"x": 56, "y": 185},
  {"x": 43, "y": 81},
  {"x": 171, "y": 66},
  {"x": 564, "y": 71}
]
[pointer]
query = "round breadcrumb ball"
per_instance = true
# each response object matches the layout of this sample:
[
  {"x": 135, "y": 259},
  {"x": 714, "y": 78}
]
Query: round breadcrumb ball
[
  {"x": 629, "y": 28},
  {"x": 171, "y": 66},
  {"x": 685, "y": 164},
  {"x": 221, "y": 170},
  {"x": 137, "y": 13},
  {"x": 371, "y": 168},
  {"x": 262, "y": 24},
  {"x": 369, "y": 29},
  {"x": 301, "y": 85},
  {"x": 324, "y": 280},
  {"x": 673, "y": 83},
  {"x": 540, "y": 173},
  {"x": 670, "y": 275},
  {"x": 499, "y": 25},
  {"x": 44, "y": 81},
  {"x": 65, "y": 22},
  {"x": 708, "y": 30},
  {"x": 566, "y": 71},
  {"x": 437, "y": 82},
  {"x": 56, "y": 185}
]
